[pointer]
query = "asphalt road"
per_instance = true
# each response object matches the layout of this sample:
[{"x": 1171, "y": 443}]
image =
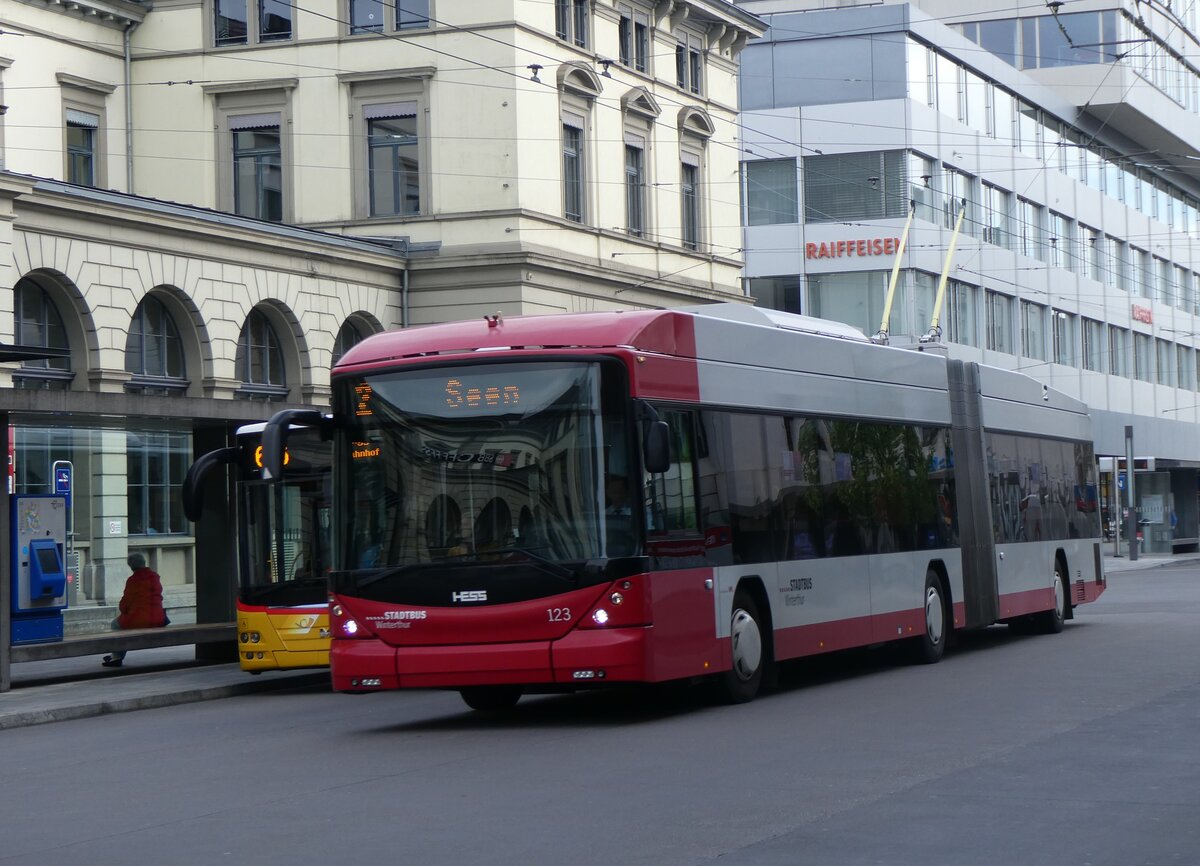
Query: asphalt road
[{"x": 1079, "y": 748}]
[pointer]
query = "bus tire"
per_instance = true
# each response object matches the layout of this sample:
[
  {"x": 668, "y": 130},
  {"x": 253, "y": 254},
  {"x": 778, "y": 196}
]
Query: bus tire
[
  {"x": 741, "y": 682},
  {"x": 490, "y": 699},
  {"x": 931, "y": 646},
  {"x": 1051, "y": 621}
]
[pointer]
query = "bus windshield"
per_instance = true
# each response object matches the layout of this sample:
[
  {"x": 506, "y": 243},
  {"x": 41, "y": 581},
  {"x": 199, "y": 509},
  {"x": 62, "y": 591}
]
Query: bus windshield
[
  {"x": 485, "y": 463},
  {"x": 286, "y": 525}
]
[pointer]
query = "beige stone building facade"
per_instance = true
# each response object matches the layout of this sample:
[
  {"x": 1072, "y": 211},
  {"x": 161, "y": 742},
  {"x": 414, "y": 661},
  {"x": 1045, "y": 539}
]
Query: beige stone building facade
[{"x": 204, "y": 202}]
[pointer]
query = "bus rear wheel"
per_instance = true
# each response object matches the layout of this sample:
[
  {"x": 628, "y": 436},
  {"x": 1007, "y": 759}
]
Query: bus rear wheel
[
  {"x": 1051, "y": 621},
  {"x": 741, "y": 683},
  {"x": 931, "y": 646},
  {"x": 491, "y": 698}
]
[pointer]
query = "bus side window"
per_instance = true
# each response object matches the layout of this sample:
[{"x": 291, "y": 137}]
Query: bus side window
[{"x": 671, "y": 496}]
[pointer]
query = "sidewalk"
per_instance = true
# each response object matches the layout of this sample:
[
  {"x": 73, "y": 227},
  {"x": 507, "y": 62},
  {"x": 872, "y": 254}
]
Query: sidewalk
[
  {"x": 1113, "y": 565},
  {"x": 76, "y": 688}
]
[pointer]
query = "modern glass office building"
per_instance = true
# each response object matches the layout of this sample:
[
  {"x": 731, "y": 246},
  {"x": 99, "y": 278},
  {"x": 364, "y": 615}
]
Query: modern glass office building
[{"x": 1068, "y": 143}]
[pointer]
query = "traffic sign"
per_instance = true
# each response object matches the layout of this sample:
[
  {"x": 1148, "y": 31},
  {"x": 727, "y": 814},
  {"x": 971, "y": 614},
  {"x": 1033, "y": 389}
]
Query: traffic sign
[{"x": 1120, "y": 480}]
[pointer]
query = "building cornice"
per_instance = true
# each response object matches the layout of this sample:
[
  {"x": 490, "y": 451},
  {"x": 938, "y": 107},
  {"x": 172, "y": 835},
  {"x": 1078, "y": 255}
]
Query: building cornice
[
  {"x": 118, "y": 14},
  {"x": 251, "y": 85}
]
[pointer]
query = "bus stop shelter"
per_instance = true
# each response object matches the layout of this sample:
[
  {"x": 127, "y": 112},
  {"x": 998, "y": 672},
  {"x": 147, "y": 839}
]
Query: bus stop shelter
[{"x": 212, "y": 423}]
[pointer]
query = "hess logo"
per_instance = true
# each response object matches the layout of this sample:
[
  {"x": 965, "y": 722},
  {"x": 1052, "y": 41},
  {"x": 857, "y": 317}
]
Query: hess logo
[{"x": 469, "y": 595}]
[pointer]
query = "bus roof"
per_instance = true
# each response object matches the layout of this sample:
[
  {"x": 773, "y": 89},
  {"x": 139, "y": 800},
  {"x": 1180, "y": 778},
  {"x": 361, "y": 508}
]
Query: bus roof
[{"x": 667, "y": 332}]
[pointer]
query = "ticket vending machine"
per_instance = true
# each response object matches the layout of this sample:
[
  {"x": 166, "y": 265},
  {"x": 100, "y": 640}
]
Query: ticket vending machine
[{"x": 39, "y": 575}]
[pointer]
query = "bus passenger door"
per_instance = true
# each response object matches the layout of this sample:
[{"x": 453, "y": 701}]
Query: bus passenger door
[{"x": 682, "y": 589}]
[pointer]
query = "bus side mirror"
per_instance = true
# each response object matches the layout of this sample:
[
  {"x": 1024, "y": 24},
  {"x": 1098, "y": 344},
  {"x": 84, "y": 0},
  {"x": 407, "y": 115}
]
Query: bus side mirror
[
  {"x": 193, "y": 482},
  {"x": 274, "y": 437},
  {"x": 656, "y": 449}
]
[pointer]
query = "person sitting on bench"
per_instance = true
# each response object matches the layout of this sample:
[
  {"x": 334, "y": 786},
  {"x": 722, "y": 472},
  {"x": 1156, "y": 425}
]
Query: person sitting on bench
[{"x": 141, "y": 604}]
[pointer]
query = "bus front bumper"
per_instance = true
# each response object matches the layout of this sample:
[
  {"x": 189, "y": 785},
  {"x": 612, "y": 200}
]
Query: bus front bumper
[{"x": 581, "y": 657}]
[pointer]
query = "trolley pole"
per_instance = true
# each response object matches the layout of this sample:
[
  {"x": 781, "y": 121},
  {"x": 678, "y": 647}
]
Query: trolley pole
[{"x": 1131, "y": 521}]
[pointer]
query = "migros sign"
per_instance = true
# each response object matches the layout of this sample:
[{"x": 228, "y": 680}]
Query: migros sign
[{"x": 861, "y": 247}]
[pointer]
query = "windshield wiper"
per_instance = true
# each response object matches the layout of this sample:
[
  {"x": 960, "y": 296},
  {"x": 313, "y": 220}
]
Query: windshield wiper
[{"x": 555, "y": 568}]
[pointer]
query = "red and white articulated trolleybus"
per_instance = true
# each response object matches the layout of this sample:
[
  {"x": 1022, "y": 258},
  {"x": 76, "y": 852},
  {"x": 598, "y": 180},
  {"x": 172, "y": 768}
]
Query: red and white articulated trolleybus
[{"x": 545, "y": 503}]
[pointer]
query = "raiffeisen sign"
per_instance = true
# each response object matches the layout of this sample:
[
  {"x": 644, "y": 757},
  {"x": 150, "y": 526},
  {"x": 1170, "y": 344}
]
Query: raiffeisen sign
[{"x": 852, "y": 247}]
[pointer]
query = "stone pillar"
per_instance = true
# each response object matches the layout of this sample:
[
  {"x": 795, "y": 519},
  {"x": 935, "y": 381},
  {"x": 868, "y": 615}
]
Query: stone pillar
[
  {"x": 11, "y": 188},
  {"x": 110, "y": 515}
]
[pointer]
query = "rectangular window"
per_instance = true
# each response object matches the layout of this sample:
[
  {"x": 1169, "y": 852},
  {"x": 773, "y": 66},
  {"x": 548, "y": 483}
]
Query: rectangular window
[
  {"x": 999, "y": 322},
  {"x": 924, "y": 197},
  {"x": 856, "y": 299},
  {"x": 1093, "y": 345},
  {"x": 366, "y": 16},
  {"x": 960, "y": 197},
  {"x": 375, "y": 16},
  {"x": 1064, "y": 338},
  {"x": 635, "y": 185},
  {"x": 1118, "y": 351},
  {"x": 1093, "y": 252},
  {"x": 1033, "y": 330},
  {"x": 1143, "y": 276},
  {"x": 776, "y": 293},
  {"x": 689, "y": 181},
  {"x": 82, "y": 128},
  {"x": 232, "y": 20},
  {"x": 1123, "y": 268},
  {"x": 1061, "y": 250},
  {"x": 156, "y": 465},
  {"x": 1182, "y": 285},
  {"x": 412, "y": 14},
  {"x": 1163, "y": 290},
  {"x": 573, "y": 171},
  {"x": 856, "y": 186},
  {"x": 1029, "y": 126},
  {"x": 962, "y": 316},
  {"x": 1166, "y": 362},
  {"x": 1030, "y": 228},
  {"x": 689, "y": 63},
  {"x": 1185, "y": 364},
  {"x": 633, "y": 38},
  {"x": 771, "y": 192},
  {"x": 1143, "y": 358},
  {"x": 571, "y": 19},
  {"x": 257, "y": 167},
  {"x": 392, "y": 159},
  {"x": 996, "y": 206}
]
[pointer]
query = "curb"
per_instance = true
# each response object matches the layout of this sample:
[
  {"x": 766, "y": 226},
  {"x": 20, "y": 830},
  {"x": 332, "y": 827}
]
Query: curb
[{"x": 27, "y": 718}]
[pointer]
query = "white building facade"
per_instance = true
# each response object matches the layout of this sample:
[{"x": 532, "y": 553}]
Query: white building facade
[
  {"x": 1068, "y": 141},
  {"x": 204, "y": 202}
]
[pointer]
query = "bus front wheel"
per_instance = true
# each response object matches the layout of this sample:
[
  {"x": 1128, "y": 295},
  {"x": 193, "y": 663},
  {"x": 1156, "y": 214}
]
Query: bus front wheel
[
  {"x": 741, "y": 683},
  {"x": 491, "y": 698}
]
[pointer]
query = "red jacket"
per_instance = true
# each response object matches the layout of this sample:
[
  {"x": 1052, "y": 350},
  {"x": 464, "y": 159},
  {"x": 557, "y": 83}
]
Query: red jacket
[{"x": 142, "y": 603}]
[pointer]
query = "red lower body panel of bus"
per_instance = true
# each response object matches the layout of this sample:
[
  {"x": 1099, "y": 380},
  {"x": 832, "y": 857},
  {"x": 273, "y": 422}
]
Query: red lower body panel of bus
[{"x": 625, "y": 631}]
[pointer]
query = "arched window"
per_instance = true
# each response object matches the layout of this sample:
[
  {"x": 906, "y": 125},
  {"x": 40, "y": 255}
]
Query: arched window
[
  {"x": 154, "y": 351},
  {"x": 347, "y": 337},
  {"x": 39, "y": 324},
  {"x": 260, "y": 358}
]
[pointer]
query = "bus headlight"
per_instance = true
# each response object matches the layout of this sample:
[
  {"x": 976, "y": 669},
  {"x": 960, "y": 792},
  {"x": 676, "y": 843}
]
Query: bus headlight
[
  {"x": 600, "y": 616},
  {"x": 616, "y": 598},
  {"x": 350, "y": 628},
  {"x": 255, "y": 637}
]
